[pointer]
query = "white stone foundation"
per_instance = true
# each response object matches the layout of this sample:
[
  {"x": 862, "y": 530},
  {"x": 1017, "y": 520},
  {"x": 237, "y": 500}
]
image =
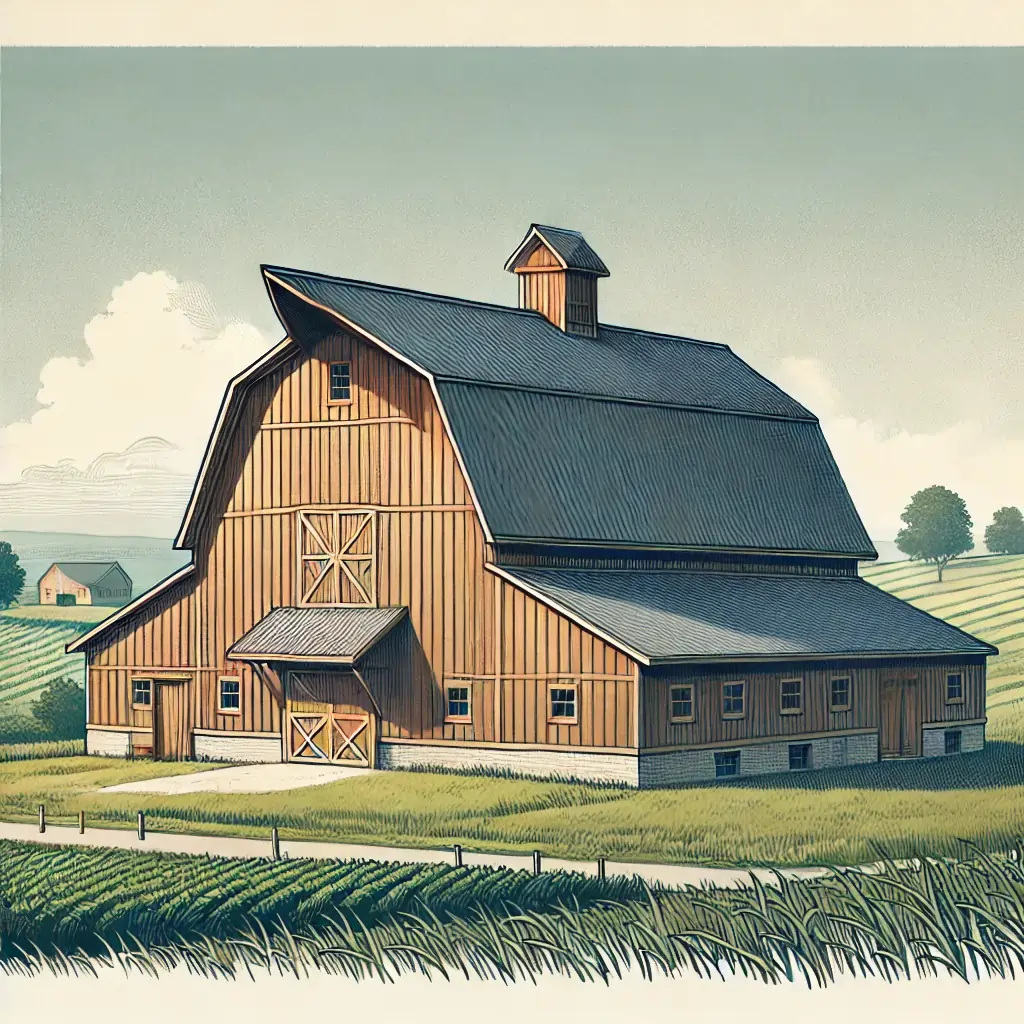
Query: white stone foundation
[
  {"x": 107, "y": 742},
  {"x": 683, "y": 766},
  {"x": 567, "y": 764},
  {"x": 933, "y": 741},
  {"x": 249, "y": 749}
]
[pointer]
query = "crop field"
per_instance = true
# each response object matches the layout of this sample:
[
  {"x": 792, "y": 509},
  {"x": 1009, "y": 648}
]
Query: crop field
[
  {"x": 982, "y": 595},
  {"x": 74, "y": 910},
  {"x": 32, "y": 654}
]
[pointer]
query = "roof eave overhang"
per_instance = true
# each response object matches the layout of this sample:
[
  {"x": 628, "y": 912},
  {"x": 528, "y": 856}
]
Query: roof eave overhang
[{"x": 719, "y": 659}]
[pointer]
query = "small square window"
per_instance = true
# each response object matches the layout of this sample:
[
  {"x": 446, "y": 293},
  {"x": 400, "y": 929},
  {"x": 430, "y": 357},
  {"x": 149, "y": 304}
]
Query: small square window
[
  {"x": 563, "y": 703},
  {"x": 954, "y": 688},
  {"x": 732, "y": 699},
  {"x": 799, "y": 757},
  {"x": 952, "y": 741},
  {"x": 681, "y": 699},
  {"x": 230, "y": 695},
  {"x": 457, "y": 704},
  {"x": 142, "y": 692},
  {"x": 839, "y": 697},
  {"x": 792, "y": 696},
  {"x": 341, "y": 382},
  {"x": 727, "y": 764}
]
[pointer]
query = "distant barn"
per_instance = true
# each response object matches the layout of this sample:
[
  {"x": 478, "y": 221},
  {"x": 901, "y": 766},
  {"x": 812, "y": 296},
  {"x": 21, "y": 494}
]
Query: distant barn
[{"x": 104, "y": 583}]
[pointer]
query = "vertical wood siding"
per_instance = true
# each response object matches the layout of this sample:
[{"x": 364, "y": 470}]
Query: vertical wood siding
[{"x": 387, "y": 452}]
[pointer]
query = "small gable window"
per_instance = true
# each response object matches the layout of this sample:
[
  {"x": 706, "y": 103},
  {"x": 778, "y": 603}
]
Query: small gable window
[
  {"x": 230, "y": 696},
  {"x": 681, "y": 700},
  {"x": 142, "y": 692},
  {"x": 562, "y": 703},
  {"x": 954, "y": 688},
  {"x": 341, "y": 382}
]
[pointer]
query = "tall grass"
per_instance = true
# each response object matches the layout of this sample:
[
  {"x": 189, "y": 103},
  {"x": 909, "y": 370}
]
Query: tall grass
[
  {"x": 45, "y": 748},
  {"x": 962, "y": 918}
]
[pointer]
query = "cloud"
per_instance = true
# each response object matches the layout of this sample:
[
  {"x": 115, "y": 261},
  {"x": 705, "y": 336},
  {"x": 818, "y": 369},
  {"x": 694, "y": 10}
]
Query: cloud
[
  {"x": 146, "y": 395},
  {"x": 884, "y": 467}
]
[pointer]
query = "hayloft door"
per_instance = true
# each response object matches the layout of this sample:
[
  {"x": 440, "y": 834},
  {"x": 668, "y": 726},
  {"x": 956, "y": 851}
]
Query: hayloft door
[{"x": 170, "y": 723}]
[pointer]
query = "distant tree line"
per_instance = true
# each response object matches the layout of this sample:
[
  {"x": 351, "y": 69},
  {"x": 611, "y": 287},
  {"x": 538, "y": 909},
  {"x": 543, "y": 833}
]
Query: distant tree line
[{"x": 938, "y": 528}]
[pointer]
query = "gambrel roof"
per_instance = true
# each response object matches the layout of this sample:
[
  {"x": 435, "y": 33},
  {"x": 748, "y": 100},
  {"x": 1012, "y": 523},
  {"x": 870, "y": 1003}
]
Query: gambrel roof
[{"x": 673, "y": 616}]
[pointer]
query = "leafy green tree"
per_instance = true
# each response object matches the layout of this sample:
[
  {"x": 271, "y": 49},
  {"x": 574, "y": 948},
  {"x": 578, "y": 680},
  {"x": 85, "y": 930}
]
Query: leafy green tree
[
  {"x": 60, "y": 710},
  {"x": 938, "y": 527},
  {"x": 1005, "y": 534},
  {"x": 12, "y": 576}
]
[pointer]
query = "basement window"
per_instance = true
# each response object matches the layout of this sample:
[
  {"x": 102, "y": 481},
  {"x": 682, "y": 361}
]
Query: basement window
[
  {"x": 792, "y": 696},
  {"x": 341, "y": 382},
  {"x": 142, "y": 693},
  {"x": 954, "y": 688},
  {"x": 457, "y": 703},
  {"x": 727, "y": 764},
  {"x": 839, "y": 694},
  {"x": 230, "y": 698},
  {"x": 953, "y": 741},
  {"x": 799, "y": 757},
  {"x": 733, "y": 695},
  {"x": 681, "y": 703}
]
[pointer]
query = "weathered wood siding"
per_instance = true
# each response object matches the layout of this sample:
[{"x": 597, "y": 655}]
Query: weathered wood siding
[
  {"x": 386, "y": 451},
  {"x": 763, "y": 715}
]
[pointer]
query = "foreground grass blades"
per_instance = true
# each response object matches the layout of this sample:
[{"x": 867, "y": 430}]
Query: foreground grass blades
[{"x": 963, "y": 918}]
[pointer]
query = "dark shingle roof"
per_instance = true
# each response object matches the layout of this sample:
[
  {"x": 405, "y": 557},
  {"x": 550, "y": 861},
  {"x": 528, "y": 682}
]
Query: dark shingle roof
[
  {"x": 340, "y": 634},
  {"x": 557, "y": 467},
  {"x": 500, "y": 345},
  {"x": 87, "y": 573},
  {"x": 674, "y": 616},
  {"x": 570, "y": 246}
]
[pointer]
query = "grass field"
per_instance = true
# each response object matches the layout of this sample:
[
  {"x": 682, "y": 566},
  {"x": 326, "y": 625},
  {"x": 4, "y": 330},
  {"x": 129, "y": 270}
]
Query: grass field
[
  {"x": 75, "y": 911},
  {"x": 982, "y": 595},
  {"x": 32, "y": 653}
]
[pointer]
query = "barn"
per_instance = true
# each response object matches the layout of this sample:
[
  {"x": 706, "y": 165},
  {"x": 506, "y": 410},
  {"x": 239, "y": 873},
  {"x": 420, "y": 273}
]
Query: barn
[
  {"x": 102, "y": 583},
  {"x": 434, "y": 532}
]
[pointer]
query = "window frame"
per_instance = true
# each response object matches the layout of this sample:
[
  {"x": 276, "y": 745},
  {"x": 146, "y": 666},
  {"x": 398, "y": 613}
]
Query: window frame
[
  {"x": 221, "y": 710},
  {"x": 331, "y": 400},
  {"x": 742, "y": 713},
  {"x": 458, "y": 684},
  {"x": 719, "y": 764},
  {"x": 832, "y": 705},
  {"x": 799, "y": 709},
  {"x": 150, "y": 683},
  {"x": 672, "y": 716},
  {"x": 563, "y": 684},
  {"x": 960, "y": 677},
  {"x": 947, "y": 734},
  {"x": 808, "y": 749}
]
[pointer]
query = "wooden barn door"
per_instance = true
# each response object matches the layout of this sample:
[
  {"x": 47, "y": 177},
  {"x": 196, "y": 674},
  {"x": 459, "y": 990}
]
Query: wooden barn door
[
  {"x": 900, "y": 726},
  {"x": 170, "y": 722},
  {"x": 327, "y": 720}
]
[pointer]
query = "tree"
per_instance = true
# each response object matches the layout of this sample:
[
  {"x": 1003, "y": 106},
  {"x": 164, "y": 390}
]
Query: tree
[
  {"x": 12, "y": 576},
  {"x": 60, "y": 710},
  {"x": 1005, "y": 534},
  {"x": 938, "y": 527}
]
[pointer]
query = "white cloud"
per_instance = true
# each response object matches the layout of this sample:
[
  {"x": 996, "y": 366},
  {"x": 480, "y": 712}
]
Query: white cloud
[
  {"x": 883, "y": 467},
  {"x": 121, "y": 433}
]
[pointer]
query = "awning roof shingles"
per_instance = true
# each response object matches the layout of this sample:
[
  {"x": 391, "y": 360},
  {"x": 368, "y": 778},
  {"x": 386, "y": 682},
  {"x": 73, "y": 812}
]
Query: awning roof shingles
[
  {"x": 668, "y": 616},
  {"x": 336, "y": 635}
]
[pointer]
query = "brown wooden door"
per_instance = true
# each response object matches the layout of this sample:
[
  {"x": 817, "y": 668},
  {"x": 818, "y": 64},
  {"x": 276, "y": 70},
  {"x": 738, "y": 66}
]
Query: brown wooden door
[
  {"x": 170, "y": 725},
  {"x": 900, "y": 724},
  {"x": 318, "y": 732}
]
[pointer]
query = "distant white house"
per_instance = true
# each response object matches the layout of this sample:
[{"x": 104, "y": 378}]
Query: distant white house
[{"x": 103, "y": 583}]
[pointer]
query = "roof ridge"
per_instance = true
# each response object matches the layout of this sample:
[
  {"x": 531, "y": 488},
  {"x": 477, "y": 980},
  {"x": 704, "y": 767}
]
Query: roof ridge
[
  {"x": 622, "y": 400},
  {"x": 377, "y": 286}
]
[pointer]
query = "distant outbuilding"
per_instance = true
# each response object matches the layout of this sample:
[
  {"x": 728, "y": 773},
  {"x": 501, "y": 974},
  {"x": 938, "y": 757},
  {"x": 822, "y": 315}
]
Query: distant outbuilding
[{"x": 102, "y": 583}]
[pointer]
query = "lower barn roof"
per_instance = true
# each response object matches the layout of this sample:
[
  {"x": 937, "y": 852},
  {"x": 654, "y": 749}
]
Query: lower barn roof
[
  {"x": 676, "y": 616},
  {"x": 340, "y": 635}
]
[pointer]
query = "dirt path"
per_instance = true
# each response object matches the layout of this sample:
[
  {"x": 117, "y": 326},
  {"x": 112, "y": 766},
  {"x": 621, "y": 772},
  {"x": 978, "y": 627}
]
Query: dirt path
[{"x": 226, "y": 846}]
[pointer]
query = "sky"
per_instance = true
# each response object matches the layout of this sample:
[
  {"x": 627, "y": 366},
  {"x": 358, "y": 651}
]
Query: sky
[{"x": 850, "y": 222}]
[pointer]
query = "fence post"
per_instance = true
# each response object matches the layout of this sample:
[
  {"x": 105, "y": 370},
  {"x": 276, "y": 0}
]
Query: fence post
[
  {"x": 142, "y": 825},
  {"x": 601, "y": 862},
  {"x": 42, "y": 818},
  {"x": 275, "y": 845},
  {"x": 536, "y": 862},
  {"x": 81, "y": 822},
  {"x": 458, "y": 856}
]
